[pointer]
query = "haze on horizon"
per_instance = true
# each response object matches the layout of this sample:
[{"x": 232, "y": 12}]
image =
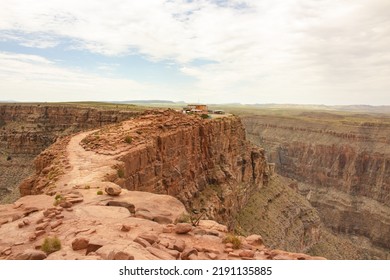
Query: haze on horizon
[{"x": 246, "y": 51}]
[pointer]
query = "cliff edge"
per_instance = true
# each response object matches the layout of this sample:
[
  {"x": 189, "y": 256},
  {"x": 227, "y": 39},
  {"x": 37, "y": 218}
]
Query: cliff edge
[{"x": 141, "y": 189}]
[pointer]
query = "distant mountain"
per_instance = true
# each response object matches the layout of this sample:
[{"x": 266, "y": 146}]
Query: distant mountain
[{"x": 148, "y": 101}]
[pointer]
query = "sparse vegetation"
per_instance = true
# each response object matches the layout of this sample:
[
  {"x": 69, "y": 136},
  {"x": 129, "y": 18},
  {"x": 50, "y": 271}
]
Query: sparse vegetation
[
  {"x": 120, "y": 172},
  {"x": 128, "y": 139},
  {"x": 51, "y": 245},
  {"x": 204, "y": 116},
  {"x": 183, "y": 218},
  {"x": 87, "y": 187},
  {"x": 100, "y": 192},
  {"x": 58, "y": 199},
  {"x": 231, "y": 238}
]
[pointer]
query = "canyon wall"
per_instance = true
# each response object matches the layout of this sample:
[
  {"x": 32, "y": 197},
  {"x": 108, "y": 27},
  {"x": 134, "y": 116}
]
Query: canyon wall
[
  {"x": 341, "y": 166},
  {"x": 207, "y": 164},
  {"x": 27, "y": 129}
]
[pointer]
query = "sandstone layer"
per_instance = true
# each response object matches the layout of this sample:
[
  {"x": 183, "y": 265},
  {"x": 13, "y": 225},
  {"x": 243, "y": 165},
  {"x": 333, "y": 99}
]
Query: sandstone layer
[
  {"x": 74, "y": 196},
  {"x": 206, "y": 164},
  {"x": 341, "y": 164},
  {"x": 27, "y": 129}
]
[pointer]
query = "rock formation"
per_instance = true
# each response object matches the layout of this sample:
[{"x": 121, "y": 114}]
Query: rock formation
[
  {"x": 205, "y": 164},
  {"x": 27, "y": 129},
  {"x": 181, "y": 159},
  {"x": 341, "y": 166}
]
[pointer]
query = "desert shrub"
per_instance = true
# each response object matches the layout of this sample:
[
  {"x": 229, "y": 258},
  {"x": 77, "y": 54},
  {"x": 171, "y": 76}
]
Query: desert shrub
[
  {"x": 121, "y": 173},
  {"x": 128, "y": 139},
  {"x": 87, "y": 187},
  {"x": 183, "y": 218},
  {"x": 99, "y": 192},
  {"x": 51, "y": 245},
  {"x": 204, "y": 116},
  {"x": 58, "y": 199},
  {"x": 231, "y": 238}
]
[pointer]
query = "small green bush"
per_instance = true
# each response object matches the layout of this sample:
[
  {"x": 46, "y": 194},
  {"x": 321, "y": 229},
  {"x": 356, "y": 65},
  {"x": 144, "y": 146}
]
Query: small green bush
[
  {"x": 51, "y": 245},
  {"x": 128, "y": 139},
  {"x": 204, "y": 116},
  {"x": 121, "y": 173},
  {"x": 231, "y": 238},
  {"x": 58, "y": 199},
  {"x": 99, "y": 192},
  {"x": 183, "y": 218}
]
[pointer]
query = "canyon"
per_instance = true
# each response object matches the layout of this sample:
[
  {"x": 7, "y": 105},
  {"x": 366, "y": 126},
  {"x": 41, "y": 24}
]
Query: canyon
[
  {"x": 340, "y": 162},
  {"x": 27, "y": 129},
  {"x": 145, "y": 188},
  {"x": 310, "y": 185}
]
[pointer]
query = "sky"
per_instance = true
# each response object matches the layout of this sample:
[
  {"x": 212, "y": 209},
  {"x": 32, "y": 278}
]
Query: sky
[{"x": 218, "y": 51}]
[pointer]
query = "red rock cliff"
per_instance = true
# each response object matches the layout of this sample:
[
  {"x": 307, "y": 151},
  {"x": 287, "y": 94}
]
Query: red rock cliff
[
  {"x": 204, "y": 163},
  {"x": 345, "y": 166}
]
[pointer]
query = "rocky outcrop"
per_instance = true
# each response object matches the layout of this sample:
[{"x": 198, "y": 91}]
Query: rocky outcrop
[
  {"x": 342, "y": 166},
  {"x": 28, "y": 129},
  {"x": 90, "y": 230},
  {"x": 206, "y": 164}
]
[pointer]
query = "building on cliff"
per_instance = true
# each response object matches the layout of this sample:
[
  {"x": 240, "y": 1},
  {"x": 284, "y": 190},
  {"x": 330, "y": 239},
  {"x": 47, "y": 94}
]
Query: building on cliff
[{"x": 196, "y": 108}]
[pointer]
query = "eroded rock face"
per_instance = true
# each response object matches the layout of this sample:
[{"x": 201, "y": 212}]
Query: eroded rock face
[
  {"x": 342, "y": 169},
  {"x": 27, "y": 129},
  {"x": 42, "y": 124},
  {"x": 200, "y": 161},
  {"x": 204, "y": 163}
]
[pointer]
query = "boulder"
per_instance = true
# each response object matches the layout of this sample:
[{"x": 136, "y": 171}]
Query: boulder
[
  {"x": 31, "y": 254},
  {"x": 113, "y": 189},
  {"x": 80, "y": 243},
  {"x": 183, "y": 228},
  {"x": 255, "y": 240}
]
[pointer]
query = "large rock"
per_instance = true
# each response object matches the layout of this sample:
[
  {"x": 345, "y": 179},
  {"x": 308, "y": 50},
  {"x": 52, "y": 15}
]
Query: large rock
[
  {"x": 31, "y": 254},
  {"x": 255, "y": 240},
  {"x": 183, "y": 228},
  {"x": 80, "y": 243},
  {"x": 113, "y": 189}
]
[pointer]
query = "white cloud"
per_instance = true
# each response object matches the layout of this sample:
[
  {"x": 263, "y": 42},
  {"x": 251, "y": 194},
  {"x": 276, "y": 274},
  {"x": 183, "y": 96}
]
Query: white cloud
[
  {"x": 295, "y": 50},
  {"x": 34, "y": 78}
]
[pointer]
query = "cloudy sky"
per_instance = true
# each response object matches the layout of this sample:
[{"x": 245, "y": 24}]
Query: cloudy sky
[{"x": 216, "y": 51}]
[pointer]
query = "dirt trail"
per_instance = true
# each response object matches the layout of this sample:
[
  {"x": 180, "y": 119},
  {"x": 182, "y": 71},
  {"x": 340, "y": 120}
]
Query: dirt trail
[{"x": 86, "y": 166}]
